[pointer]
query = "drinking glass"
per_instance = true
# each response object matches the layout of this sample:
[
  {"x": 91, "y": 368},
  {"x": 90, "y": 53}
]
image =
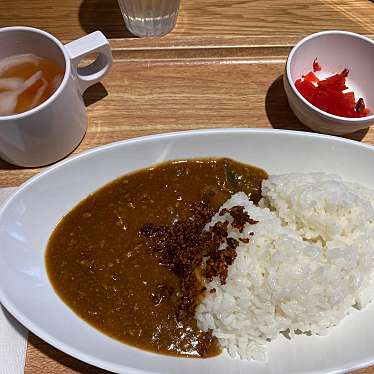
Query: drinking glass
[{"x": 149, "y": 17}]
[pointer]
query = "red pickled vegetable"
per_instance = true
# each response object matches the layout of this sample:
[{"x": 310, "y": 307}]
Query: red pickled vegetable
[
  {"x": 345, "y": 72},
  {"x": 360, "y": 105},
  {"x": 316, "y": 65},
  {"x": 328, "y": 95},
  {"x": 335, "y": 82},
  {"x": 311, "y": 77}
]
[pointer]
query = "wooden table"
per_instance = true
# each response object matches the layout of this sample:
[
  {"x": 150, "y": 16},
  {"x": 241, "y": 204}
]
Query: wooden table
[{"x": 220, "y": 67}]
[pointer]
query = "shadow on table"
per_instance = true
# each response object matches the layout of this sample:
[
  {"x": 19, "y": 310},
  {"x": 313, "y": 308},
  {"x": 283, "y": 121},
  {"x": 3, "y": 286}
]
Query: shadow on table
[
  {"x": 21, "y": 331},
  {"x": 103, "y": 15},
  {"x": 77, "y": 366},
  {"x": 6, "y": 166},
  {"x": 94, "y": 94},
  {"x": 281, "y": 116}
]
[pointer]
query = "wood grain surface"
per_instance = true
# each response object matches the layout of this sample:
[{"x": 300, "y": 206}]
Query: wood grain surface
[
  {"x": 70, "y": 19},
  {"x": 221, "y": 67},
  {"x": 159, "y": 90}
]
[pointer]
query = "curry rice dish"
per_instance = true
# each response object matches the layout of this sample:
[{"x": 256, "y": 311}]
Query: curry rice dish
[{"x": 192, "y": 257}]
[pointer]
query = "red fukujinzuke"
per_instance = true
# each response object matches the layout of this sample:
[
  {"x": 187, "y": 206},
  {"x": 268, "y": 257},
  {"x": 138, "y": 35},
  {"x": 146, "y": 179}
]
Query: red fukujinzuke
[{"x": 329, "y": 94}]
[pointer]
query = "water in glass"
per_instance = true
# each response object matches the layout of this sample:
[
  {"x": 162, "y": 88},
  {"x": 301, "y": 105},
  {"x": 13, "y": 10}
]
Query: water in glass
[{"x": 149, "y": 17}]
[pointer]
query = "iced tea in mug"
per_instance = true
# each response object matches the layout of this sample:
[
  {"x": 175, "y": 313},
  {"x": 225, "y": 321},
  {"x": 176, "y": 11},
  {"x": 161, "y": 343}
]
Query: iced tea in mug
[
  {"x": 43, "y": 117},
  {"x": 26, "y": 81}
]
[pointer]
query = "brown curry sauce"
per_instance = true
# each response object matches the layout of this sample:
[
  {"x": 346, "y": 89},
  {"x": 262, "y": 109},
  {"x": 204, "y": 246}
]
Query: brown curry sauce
[{"x": 102, "y": 267}]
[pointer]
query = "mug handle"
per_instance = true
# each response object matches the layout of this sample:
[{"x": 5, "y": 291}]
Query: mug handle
[{"x": 82, "y": 47}]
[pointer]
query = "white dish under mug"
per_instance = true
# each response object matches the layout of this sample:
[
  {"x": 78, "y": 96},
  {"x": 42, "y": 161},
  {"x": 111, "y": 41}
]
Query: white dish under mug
[
  {"x": 28, "y": 218},
  {"x": 50, "y": 131}
]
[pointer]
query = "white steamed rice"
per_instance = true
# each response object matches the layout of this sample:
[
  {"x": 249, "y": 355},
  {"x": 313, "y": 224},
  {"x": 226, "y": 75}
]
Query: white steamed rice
[{"x": 311, "y": 260}]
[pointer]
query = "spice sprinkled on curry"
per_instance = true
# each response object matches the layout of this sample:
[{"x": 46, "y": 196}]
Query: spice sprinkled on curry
[{"x": 128, "y": 259}]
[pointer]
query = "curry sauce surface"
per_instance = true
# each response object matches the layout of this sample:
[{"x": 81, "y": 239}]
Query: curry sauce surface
[{"x": 102, "y": 268}]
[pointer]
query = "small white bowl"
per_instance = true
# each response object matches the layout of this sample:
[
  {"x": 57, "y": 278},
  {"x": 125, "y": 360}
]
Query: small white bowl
[{"x": 335, "y": 50}]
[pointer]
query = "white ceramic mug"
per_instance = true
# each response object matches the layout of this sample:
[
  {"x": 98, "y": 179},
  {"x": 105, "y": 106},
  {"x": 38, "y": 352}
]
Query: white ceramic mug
[{"x": 52, "y": 130}]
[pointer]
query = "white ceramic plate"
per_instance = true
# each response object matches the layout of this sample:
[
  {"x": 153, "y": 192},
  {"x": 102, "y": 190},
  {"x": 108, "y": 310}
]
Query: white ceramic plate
[{"x": 28, "y": 218}]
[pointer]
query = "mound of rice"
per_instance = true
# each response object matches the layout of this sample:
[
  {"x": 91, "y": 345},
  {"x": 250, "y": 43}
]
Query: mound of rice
[{"x": 309, "y": 263}]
